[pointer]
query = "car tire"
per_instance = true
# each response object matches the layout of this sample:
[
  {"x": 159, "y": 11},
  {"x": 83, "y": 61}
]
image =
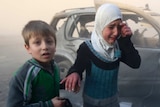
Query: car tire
[{"x": 64, "y": 67}]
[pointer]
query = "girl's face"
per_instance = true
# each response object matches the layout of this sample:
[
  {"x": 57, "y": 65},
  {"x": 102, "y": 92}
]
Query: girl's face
[
  {"x": 42, "y": 48},
  {"x": 111, "y": 32}
]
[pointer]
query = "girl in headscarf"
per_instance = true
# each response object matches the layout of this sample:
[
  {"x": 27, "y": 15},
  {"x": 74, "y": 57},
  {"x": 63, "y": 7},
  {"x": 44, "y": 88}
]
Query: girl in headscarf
[{"x": 100, "y": 57}]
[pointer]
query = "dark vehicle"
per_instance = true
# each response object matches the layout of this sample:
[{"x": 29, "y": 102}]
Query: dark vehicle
[{"x": 137, "y": 87}]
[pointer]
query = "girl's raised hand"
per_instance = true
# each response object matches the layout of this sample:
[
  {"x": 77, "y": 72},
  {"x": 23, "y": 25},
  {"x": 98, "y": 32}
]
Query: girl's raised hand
[{"x": 125, "y": 30}]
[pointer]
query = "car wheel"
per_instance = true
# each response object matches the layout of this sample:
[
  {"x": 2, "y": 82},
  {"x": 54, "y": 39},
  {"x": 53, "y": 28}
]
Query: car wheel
[{"x": 64, "y": 67}]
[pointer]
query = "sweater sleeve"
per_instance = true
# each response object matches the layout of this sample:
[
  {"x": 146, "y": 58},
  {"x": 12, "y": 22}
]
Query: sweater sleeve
[
  {"x": 81, "y": 61},
  {"x": 16, "y": 97},
  {"x": 130, "y": 55}
]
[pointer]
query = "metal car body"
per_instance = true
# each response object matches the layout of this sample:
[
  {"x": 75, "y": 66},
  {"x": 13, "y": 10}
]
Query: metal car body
[{"x": 138, "y": 87}]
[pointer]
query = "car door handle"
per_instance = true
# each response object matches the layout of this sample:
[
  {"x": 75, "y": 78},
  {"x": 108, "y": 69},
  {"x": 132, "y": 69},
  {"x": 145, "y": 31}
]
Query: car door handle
[{"x": 70, "y": 45}]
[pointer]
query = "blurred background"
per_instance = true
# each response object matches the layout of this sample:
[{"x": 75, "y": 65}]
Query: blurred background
[{"x": 14, "y": 14}]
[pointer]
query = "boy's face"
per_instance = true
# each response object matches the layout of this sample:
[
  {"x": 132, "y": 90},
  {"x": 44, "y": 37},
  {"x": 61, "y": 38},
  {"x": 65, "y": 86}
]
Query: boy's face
[
  {"x": 111, "y": 31},
  {"x": 42, "y": 48}
]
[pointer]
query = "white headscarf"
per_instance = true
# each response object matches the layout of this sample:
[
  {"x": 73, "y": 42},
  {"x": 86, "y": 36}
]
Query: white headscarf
[{"x": 106, "y": 13}]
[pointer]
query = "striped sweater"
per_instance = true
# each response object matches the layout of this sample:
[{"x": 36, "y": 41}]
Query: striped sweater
[{"x": 33, "y": 86}]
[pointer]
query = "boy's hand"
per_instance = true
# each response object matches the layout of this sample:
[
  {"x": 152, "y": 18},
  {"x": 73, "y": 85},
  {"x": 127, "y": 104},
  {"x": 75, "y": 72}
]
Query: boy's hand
[
  {"x": 72, "y": 82},
  {"x": 125, "y": 30},
  {"x": 58, "y": 102}
]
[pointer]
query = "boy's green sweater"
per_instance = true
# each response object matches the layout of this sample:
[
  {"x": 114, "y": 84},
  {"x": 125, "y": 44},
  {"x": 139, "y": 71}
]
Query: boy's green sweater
[{"x": 33, "y": 86}]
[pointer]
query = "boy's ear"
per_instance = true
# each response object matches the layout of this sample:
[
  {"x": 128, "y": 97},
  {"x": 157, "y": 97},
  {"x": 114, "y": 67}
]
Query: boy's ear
[{"x": 27, "y": 48}]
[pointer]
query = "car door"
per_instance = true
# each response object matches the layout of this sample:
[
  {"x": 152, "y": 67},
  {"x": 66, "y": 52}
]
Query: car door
[{"x": 141, "y": 86}]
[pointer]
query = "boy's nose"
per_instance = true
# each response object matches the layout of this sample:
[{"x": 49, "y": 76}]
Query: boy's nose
[{"x": 44, "y": 45}]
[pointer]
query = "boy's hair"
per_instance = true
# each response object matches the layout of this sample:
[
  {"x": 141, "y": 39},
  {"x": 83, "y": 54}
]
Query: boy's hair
[{"x": 35, "y": 28}]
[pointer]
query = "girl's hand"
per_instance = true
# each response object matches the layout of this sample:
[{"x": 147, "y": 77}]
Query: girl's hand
[
  {"x": 72, "y": 82},
  {"x": 125, "y": 30}
]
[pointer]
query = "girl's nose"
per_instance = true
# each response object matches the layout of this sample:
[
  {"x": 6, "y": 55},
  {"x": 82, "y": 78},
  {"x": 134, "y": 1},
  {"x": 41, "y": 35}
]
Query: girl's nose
[{"x": 116, "y": 31}]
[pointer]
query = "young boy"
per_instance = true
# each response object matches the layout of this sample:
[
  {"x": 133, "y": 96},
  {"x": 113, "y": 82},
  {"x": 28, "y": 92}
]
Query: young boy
[{"x": 36, "y": 83}]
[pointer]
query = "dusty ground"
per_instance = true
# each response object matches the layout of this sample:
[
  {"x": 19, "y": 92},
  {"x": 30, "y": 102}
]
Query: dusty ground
[{"x": 12, "y": 55}]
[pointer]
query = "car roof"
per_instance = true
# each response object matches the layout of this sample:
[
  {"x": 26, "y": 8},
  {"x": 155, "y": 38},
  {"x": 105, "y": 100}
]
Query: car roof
[
  {"x": 68, "y": 12},
  {"x": 91, "y": 10}
]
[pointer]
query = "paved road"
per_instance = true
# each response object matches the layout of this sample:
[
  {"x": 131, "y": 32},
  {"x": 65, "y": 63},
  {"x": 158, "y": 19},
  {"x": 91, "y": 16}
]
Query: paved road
[{"x": 12, "y": 55}]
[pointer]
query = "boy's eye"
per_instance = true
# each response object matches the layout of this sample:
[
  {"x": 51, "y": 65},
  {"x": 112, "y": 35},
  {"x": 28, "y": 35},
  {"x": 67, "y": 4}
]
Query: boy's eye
[
  {"x": 36, "y": 42},
  {"x": 49, "y": 41}
]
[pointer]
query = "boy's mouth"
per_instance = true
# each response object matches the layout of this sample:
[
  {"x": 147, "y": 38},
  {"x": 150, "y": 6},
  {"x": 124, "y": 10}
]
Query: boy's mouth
[{"x": 45, "y": 54}]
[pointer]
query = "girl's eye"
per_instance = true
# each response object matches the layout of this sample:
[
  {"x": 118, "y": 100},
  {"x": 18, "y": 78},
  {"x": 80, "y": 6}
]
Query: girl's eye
[
  {"x": 111, "y": 27},
  {"x": 119, "y": 27}
]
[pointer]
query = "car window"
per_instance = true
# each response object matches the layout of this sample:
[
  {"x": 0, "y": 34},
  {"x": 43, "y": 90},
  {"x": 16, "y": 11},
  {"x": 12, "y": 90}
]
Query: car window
[
  {"x": 144, "y": 34},
  {"x": 60, "y": 23},
  {"x": 83, "y": 26},
  {"x": 57, "y": 23}
]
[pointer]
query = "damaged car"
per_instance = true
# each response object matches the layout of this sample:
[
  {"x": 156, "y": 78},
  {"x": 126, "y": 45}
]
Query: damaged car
[{"x": 138, "y": 87}]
